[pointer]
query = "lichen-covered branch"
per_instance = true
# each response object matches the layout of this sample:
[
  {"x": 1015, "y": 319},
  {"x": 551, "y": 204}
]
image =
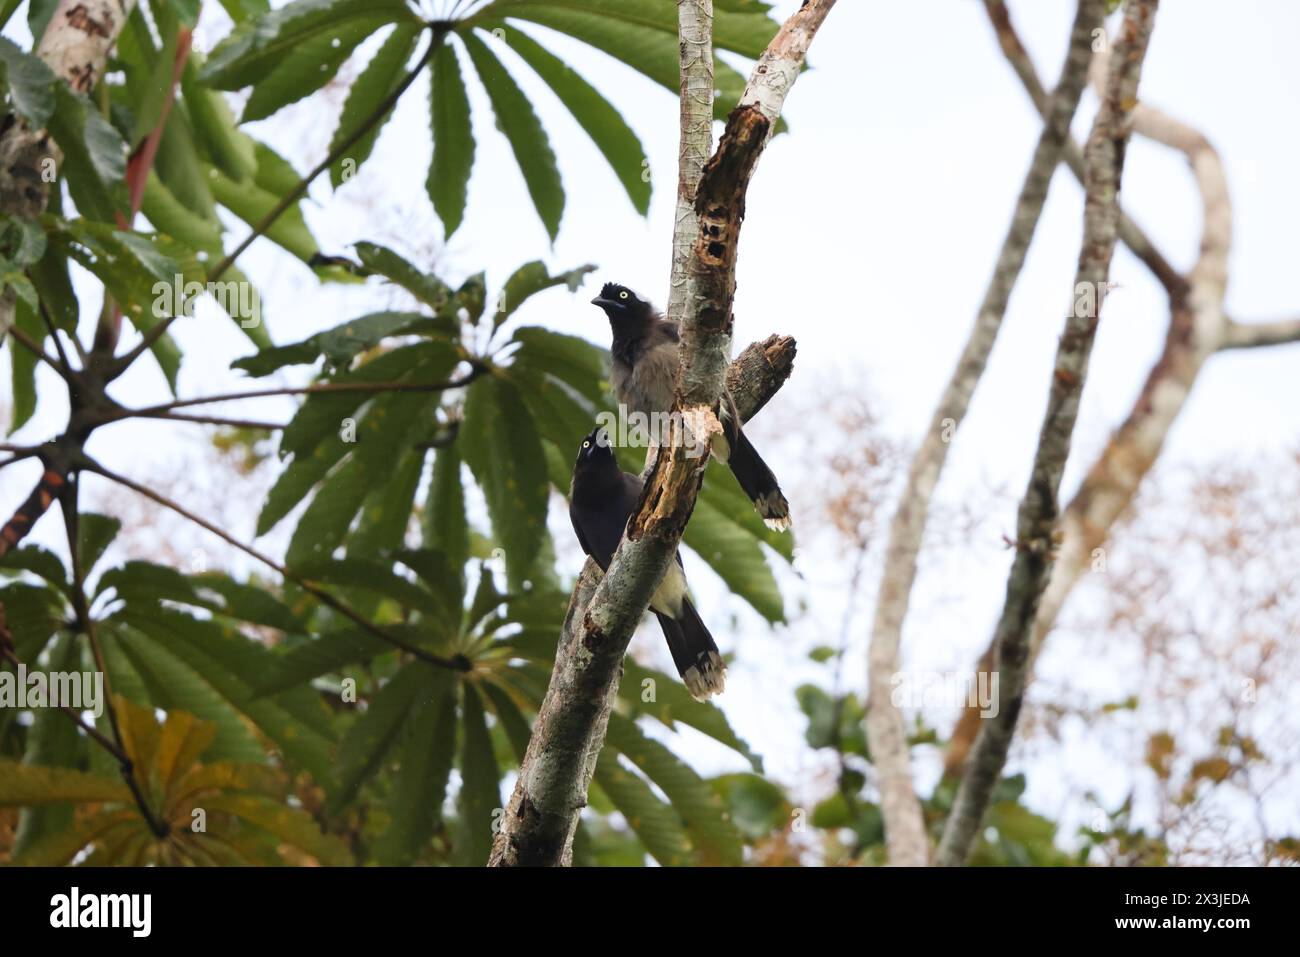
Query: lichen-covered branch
[
  {"x": 542, "y": 815},
  {"x": 695, "y": 41},
  {"x": 904, "y": 829},
  {"x": 1036, "y": 527}
]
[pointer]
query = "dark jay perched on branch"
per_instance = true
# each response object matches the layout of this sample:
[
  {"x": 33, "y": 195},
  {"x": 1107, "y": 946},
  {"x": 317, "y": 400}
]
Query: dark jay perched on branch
[
  {"x": 645, "y": 379},
  {"x": 601, "y": 500}
]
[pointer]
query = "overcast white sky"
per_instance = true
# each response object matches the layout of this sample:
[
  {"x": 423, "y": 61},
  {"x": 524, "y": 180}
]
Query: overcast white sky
[{"x": 870, "y": 233}]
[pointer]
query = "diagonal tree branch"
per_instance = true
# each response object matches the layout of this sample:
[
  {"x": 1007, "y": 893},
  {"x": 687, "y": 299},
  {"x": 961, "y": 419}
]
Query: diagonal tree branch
[
  {"x": 1036, "y": 530},
  {"x": 904, "y": 828}
]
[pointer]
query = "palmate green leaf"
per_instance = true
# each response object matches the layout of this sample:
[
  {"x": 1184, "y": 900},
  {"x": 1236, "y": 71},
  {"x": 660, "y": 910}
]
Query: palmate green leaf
[
  {"x": 702, "y": 811},
  {"x": 251, "y": 203},
  {"x": 149, "y": 82},
  {"x": 480, "y": 797},
  {"x": 652, "y": 52},
  {"x": 377, "y": 575},
  {"x": 313, "y": 438},
  {"x": 743, "y": 26},
  {"x": 595, "y": 114},
  {"x": 530, "y": 279},
  {"x": 295, "y": 721},
  {"x": 386, "y": 512},
  {"x": 32, "y": 612},
  {"x": 723, "y": 493},
  {"x": 453, "y": 139},
  {"x": 574, "y": 360},
  {"x": 25, "y": 785},
  {"x": 427, "y": 288},
  {"x": 323, "y": 655},
  {"x": 655, "y": 824},
  {"x": 23, "y": 365},
  {"x": 509, "y": 718},
  {"x": 97, "y": 533},
  {"x": 371, "y": 738},
  {"x": 54, "y": 287},
  {"x": 180, "y": 225},
  {"x": 244, "y": 602},
  {"x": 672, "y": 704},
  {"x": 30, "y": 83},
  {"x": 758, "y": 807},
  {"x": 445, "y": 526},
  {"x": 133, "y": 269},
  {"x": 40, "y": 562},
  {"x": 169, "y": 215},
  {"x": 321, "y": 415},
  {"x": 374, "y": 84},
  {"x": 168, "y": 682},
  {"x": 339, "y": 345},
  {"x": 308, "y": 66},
  {"x": 215, "y": 131},
  {"x": 58, "y": 848},
  {"x": 415, "y": 804},
  {"x": 500, "y": 444},
  {"x": 256, "y": 47},
  {"x": 736, "y": 557},
  {"x": 52, "y": 741},
  {"x": 183, "y": 170},
  {"x": 94, "y": 155},
  {"x": 518, "y": 121},
  {"x": 390, "y": 424},
  {"x": 471, "y": 297},
  {"x": 288, "y": 824}
]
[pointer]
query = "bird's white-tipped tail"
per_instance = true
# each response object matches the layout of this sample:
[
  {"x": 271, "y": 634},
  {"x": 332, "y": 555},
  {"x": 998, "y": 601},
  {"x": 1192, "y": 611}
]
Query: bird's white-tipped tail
[{"x": 706, "y": 677}]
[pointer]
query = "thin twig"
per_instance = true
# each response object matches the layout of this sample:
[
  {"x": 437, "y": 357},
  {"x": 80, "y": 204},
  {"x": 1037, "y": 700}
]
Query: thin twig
[
  {"x": 217, "y": 420},
  {"x": 86, "y": 624},
  {"x": 319, "y": 387},
  {"x": 32, "y": 346},
  {"x": 323, "y": 596}
]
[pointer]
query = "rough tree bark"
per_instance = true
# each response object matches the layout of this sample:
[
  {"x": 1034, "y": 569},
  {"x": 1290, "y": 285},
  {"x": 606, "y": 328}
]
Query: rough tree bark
[
  {"x": 542, "y": 815},
  {"x": 1198, "y": 329},
  {"x": 695, "y": 43},
  {"x": 1036, "y": 529},
  {"x": 905, "y": 835}
]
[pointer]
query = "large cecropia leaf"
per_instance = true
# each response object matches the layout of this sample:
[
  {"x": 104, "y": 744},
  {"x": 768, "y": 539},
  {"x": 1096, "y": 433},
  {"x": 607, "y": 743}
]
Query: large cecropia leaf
[{"x": 285, "y": 54}]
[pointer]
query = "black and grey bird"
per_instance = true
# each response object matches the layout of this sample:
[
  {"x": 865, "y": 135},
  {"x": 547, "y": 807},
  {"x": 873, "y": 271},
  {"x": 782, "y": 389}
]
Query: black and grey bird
[
  {"x": 601, "y": 500},
  {"x": 645, "y": 350}
]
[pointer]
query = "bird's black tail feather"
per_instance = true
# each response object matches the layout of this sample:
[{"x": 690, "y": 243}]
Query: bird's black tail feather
[
  {"x": 694, "y": 653},
  {"x": 758, "y": 482}
]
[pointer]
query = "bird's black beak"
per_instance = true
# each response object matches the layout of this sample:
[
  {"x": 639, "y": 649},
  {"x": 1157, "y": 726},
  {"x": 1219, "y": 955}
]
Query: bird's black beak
[{"x": 603, "y": 303}]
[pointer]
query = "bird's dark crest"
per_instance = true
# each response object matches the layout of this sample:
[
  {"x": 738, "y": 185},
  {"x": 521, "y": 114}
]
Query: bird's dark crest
[{"x": 611, "y": 290}]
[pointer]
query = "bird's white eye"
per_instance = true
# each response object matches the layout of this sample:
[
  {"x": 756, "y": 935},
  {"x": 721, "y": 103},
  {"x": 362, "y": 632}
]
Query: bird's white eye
[
  {"x": 586, "y": 445},
  {"x": 623, "y": 294}
]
